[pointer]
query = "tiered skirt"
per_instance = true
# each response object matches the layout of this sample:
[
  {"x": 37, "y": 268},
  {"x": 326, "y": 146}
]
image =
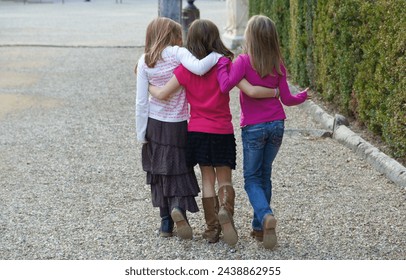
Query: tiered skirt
[{"x": 173, "y": 183}]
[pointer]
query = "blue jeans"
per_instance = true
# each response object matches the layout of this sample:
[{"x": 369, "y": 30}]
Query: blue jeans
[{"x": 261, "y": 143}]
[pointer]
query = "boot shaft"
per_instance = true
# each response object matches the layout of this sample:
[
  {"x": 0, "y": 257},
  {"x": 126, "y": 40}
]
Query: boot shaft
[
  {"x": 226, "y": 196},
  {"x": 211, "y": 209}
]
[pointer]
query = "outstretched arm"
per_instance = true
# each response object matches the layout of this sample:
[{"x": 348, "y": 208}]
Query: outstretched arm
[
  {"x": 287, "y": 98},
  {"x": 257, "y": 91},
  {"x": 164, "y": 92}
]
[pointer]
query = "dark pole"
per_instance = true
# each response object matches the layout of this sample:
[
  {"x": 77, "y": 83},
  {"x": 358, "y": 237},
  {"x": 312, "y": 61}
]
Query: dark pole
[
  {"x": 189, "y": 14},
  {"x": 171, "y": 9}
]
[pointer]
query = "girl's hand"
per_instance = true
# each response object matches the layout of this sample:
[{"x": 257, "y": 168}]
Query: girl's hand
[
  {"x": 153, "y": 90},
  {"x": 305, "y": 93},
  {"x": 156, "y": 92},
  {"x": 165, "y": 92},
  {"x": 309, "y": 95}
]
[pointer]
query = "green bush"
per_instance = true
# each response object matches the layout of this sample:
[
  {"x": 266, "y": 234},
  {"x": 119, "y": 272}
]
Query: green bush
[
  {"x": 281, "y": 16},
  {"x": 350, "y": 52},
  {"x": 380, "y": 86},
  {"x": 301, "y": 41},
  {"x": 310, "y": 11},
  {"x": 336, "y": 50},
  {"x": 298, "y": 44},
  {"x": 279, "y": 12},
  {"x": 254, "y": 7}
]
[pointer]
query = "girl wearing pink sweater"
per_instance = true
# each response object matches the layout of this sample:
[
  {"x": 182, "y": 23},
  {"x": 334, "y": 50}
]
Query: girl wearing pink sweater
[{"x": 262, "y": 120}]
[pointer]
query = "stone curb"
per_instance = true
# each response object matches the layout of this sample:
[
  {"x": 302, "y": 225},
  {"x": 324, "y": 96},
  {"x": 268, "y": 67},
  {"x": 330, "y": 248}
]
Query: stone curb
[{"x": 392, "y": 169}]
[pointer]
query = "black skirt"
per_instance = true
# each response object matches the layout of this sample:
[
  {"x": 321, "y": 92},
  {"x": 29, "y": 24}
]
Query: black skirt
[
  {"x": 173, "y": 183},
  {"x": 208, "y": 149}
]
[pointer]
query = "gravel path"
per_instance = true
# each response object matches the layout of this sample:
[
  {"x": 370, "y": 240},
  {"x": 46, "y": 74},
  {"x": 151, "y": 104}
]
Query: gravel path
[{"x": 71, "y": 184}]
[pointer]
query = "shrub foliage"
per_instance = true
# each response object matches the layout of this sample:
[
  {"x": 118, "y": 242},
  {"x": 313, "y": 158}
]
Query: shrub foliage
[{"x": 352, "y": 53}]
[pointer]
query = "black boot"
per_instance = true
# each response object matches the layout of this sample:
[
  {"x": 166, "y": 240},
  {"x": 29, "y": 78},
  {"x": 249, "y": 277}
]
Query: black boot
[{"x": 166, "y": 228}]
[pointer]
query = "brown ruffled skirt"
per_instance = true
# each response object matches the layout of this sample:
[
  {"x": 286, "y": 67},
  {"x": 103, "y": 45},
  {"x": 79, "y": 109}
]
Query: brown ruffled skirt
[{"x": 173, "y": 183}]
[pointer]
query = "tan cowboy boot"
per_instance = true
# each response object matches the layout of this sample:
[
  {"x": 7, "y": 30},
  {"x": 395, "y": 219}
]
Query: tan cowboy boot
[
  {"x": 226, "y": 197},
  {"x": 211, "y": 209},
  {"x": 269, "y": 238},
  {"x": 257, "y": 234}
]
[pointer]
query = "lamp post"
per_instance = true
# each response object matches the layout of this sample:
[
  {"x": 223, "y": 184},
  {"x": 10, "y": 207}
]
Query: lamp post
[
  {"x": 189, "y": 14},
  {"x": 171, "y": 9}
]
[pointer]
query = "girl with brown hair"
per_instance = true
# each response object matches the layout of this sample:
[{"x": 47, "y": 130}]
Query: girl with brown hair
[{"x": 161, "y": 126}]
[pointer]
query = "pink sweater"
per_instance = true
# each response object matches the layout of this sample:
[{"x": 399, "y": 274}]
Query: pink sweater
[
  {"x": 255, "y": 111},
  {"x": 209, "y": 107}
]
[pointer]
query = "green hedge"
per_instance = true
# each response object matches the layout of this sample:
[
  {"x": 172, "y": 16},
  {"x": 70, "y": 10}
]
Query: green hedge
[
  {"x": 279, "y": 12},
  {"x": 337, "y": 50},
  {"x": 352, "y": 53},
  {"x": 380, "y": 85}
]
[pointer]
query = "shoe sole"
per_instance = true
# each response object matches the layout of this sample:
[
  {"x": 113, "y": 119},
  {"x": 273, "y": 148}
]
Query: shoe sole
[
  {"x": 230, "y": 235},
  {"x": 165, "y": 234},
  {"x": 269, "y": 238},
  {"x": 183, "y": 228}
]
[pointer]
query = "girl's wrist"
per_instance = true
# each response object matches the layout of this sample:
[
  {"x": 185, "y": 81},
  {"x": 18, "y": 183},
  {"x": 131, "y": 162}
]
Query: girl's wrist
[{"x": 277, "y": 93}]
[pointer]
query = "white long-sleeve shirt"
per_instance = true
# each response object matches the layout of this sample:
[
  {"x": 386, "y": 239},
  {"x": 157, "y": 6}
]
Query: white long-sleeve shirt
[{"x": 175, "y": 109}]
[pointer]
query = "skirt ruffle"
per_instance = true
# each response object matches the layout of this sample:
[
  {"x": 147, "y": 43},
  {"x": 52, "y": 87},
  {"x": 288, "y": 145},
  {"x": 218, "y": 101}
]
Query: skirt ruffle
[
  {"x": 165, "y": 152},
  {"x": 174, "y": 191},
  {"x": 173, "y": 183}
]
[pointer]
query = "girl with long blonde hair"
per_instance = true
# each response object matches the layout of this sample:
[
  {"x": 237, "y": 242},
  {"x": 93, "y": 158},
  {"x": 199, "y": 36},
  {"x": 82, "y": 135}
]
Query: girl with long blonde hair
[{"x": 261, "y": 120}]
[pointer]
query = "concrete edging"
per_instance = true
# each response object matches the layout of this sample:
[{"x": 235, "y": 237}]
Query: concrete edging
[{"x": 392, "y": 169}]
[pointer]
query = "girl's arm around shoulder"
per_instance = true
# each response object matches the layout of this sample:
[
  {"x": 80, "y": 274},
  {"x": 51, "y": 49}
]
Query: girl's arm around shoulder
[
  {"x": 230, "y": 74},
  {"x": 164, "y": 92},
  {"x": 257, "y": 91},
  {"x": 193, "y": 64},
  {"x": 286, "y": 96}
]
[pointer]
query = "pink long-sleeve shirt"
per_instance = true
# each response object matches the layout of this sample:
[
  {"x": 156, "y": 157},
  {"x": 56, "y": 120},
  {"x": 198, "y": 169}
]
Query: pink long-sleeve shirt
[{"x": 255, "y": 111}]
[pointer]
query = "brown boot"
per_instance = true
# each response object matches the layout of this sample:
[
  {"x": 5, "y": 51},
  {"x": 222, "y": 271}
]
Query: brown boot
[
  {"x": 211, "y": 209},
  {"x": 226, "y": 213},
  {"x": 257, "y": 234},
  {"x": 269, "y": 226}
]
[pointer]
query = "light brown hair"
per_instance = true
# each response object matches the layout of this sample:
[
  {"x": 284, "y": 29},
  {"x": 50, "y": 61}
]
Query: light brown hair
[
  {"x": 203, "y": 38},
  {"x": 161, "y": 32},
  {"x": 262, "y": 45}
]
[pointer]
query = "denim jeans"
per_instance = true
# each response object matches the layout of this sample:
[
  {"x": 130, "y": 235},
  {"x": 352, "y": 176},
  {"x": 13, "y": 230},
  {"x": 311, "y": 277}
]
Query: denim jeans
[{"x": 261, "y": 143}]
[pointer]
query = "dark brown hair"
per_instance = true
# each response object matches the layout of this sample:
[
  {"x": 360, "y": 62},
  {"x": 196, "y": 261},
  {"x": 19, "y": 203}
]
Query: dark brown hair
[{"x": 204, "y": 38}]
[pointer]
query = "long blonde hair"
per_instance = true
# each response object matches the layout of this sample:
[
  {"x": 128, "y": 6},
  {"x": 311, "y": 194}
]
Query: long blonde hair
[
  {"x": 262, "y": 45},
  {"x": 161, "y": 32}
]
